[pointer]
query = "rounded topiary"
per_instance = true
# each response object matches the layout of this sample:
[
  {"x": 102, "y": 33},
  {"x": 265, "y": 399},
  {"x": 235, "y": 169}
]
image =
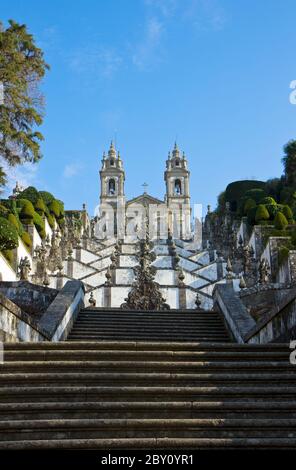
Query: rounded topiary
[
  {"x": 40, "y": 207},
  {"x": 30, "y": 193},
  {"x": 47, "y": 197},
  {"x": 249, "y": 204},
  {"x": 288, "y": 214},
  {"x": 268, "y": 201},
  {"x": 262, "y": 214},
  {"x": 257, "y": 194},
  {"x": 51, "y": 221},
  {"x": 55, "y": 208},
  {"x": 39, "y": 223},
  {"x": 8, "y": 235},
  {"x": 13, "y": 220},
  {"x": 8, "y": 254},
  {"x": 27, "y": 213},
  {"x": 3, "y": 210},
  {"x": 280, "y": 221},
  {"x": 27, "y": 240}
]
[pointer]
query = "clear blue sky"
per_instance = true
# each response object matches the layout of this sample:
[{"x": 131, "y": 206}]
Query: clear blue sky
[{"x": 214, "y": 74}]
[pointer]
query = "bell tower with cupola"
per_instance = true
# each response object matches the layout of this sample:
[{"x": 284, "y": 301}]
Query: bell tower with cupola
[
  {"x": 177, "y": 196},
  {"x": 112, "y": 177}
]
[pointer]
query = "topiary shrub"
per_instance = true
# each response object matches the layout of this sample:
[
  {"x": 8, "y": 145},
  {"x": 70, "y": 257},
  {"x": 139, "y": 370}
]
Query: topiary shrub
[
  {"x": 249, "y": 204},
  {"x": 288, "y": 214},
  {"x": 27, "y": 213},
  {"x": 262, "y": 214},
  {"x": 55, "y": 208},
  {"x": 40, "y": 207},
  {"x": 31, "y": 194},
  {"x": 8, "y": 235},
  {"x": 280, "y": 221},
  {"x": 51, "y": 221},
  {"x": 8, "y": 255},
  {"x": 268, "y": 201},
  {"x": 238, "y": 189},
  {"x": 39, "y": 224},
  {"x": 27, "y": 240},
  {"x": 256, "y": 193},
  {"x": 3, "y": 210},
  {"x": 13, "y": 220},
  {"x": 47, "y": 197}
]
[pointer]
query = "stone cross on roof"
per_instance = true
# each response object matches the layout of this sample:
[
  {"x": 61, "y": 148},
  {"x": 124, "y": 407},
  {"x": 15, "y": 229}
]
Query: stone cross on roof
[{"x": 145, "y": 186}]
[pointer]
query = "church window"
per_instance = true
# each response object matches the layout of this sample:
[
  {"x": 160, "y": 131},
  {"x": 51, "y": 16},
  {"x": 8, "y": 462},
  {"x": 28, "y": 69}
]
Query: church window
[
  {"x": 177, "y": 162},
  {"x": 112, "y": 162},
  {"x": 178, "y": 187},
  {"x": 111, "y": 187}
]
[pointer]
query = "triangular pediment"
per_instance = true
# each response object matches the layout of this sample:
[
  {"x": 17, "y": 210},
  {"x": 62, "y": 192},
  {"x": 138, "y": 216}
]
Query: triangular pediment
[{"x": 144, "y": 199}]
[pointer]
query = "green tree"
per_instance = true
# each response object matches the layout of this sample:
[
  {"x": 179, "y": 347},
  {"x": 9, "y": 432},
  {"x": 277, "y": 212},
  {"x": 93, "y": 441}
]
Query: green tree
[
  {"x": 262, "y": 214},
  {"x": 289, "y": 161},
  {"x": 280, "y": 221},
  {"x": 288, "y": 214},
  {"x": 22, "y": 67}
]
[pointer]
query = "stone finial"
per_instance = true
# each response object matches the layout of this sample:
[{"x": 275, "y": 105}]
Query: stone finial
[
  {"x": 46, "y": 280},
  {"x": 108, "y": 276},
  {"x": 229, "y": 269},
  {"x": 181, "y": 277},
  {"x": 176, "y": 151},
  {"x": 263, "y": 271},
  {"x": 24, "y": 269},
  {"x": 112, "y": 151},
  {"x": 242, "y": 283},
  {"x": 92, "y": 301},
  {"x": 198, "y": 301}
]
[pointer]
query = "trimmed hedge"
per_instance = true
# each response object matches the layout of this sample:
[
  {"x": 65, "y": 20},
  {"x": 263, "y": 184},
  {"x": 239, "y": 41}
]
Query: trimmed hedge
[
  {"x": 27, "y": 213},
  {"x": 262, "y": 214},
  {"x": 237, "y": 190},
  {"x": 40, "y": 207},
  {"x": 31, "y": 194},
  {"x": 27, "y": 240},
  {"x": 8, "y": 235},
  {"x": 280, "y": 221}
]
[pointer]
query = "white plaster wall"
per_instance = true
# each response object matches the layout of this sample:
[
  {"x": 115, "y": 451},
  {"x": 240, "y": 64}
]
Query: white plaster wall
[
  {"x": 252, "y": 243},
  {"x": 6, "y": 271},
  {"x": 206, "y": 303},
  {"x": 22, "y": 251},
  {"x": 161, "y": 250},
  {"x": 210, "y": 272},
  {"x": 194, "y": 281},
  {"x": 96, "y": 279},
  {"x": 127, "y": 261},
  {"x": 188, "y": 265},
  {"x": 163, "y": 262},
  {"x": 37, "y": 241},
  {"x": 88, "y": 257},
  {"x": 124, "y": 276},
  {"x": 202, "y": 258},
  {"x": 165, "y": 277},
  {"x": 48, "y": 229},
  {"x": 266, "y": 253},
  {"x": 128, "y": 249},
  {"x": 106, "y": 251},
  {"x": 80, "y": 270},
  {"x": 101, "y": 263},
  {"x": 118, "y": 294},
  {"x": 171, "y": 296}
]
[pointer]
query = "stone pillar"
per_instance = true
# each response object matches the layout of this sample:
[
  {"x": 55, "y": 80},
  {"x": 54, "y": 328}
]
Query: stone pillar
[
  {"x": 107, "y": 296},
  {"x": 182, "y": 297}
]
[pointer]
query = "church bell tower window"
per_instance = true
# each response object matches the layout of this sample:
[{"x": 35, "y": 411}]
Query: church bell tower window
[
  {"x": 178, "y": 187},
  {"x": 111, "y": 187}
]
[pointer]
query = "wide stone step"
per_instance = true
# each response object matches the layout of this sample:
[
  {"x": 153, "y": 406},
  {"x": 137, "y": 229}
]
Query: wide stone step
[
  {"x": 152, "y": 366},
  {"x": 9, "y": 394},
  {"x": 146, "y": 345},
  {"x": 145, "y": 336},
  {"x": 97, "y": 410},
  {"x": 153, "y": 443},
  {"x": 145, "y": 428},
  {"x": 145, "y": 355},
  {"x": 148, "y": 378}
]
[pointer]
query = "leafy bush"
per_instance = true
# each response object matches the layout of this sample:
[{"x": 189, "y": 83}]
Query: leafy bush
[
  {"x": 280, "y": 221},
  {"x": 3, "y": 210},
  {"x": 40, "y": 206},
  {"x": 262, "y": 214},
  {"x": 288, "y": 214},
  {"x": 8, "y": 235},
  {"x": 27, "y": 240},
  {"x": 8, "y": 255},
  {"x": 55, "y": 208},
  {"x": 47, "y": 197},
  {"x": 256, "y": 193},
  {"x": 51, "y": 221},
  {"x": 39, "y": 224},
  {"x": 27, "y": 213},
  {"x": 31, "y": 194},
  {"x": 13, "y": 220},
  {"x": 268, "y": 201},
  {"x": 238, "y": 189},
  {"x": 251, "y": 215},
  {"x": 249, "y": 204}
]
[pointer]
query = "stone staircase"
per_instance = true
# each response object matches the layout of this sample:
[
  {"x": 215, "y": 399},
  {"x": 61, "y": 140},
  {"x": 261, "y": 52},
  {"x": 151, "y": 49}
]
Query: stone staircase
[
  {"x": 111, "y": 324},
  {"x": 153, "y": 395}
]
